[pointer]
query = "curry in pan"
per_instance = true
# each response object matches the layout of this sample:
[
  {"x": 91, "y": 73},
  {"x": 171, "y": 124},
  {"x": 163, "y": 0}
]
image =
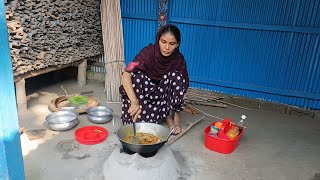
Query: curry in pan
[{"x": 144, "y": 138}]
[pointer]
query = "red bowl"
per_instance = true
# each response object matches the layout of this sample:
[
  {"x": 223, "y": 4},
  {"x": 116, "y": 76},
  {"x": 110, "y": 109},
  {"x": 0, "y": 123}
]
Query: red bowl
[{"x": 91, "y": 135}]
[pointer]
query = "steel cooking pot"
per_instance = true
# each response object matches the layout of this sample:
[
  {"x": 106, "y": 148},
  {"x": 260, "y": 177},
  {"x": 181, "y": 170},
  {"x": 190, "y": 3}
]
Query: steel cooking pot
[
  {"x": 99, "y": 114},
  {"x": 143, "y": 127},
  {"x": 62, "y": 120}
]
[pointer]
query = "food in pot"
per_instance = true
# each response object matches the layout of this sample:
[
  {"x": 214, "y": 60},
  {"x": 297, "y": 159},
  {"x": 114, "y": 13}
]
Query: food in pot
[{"x": 144, "y": 138}]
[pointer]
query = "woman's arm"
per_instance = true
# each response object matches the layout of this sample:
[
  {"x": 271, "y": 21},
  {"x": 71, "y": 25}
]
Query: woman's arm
[{"x": 134, "y": 109}]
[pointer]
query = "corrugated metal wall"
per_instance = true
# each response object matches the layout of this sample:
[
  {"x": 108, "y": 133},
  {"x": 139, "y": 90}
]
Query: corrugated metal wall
[
  {"x": 267, "y": 49},
  {"x": 99, "y": 59},
  {"x": 139, "y": 19}
]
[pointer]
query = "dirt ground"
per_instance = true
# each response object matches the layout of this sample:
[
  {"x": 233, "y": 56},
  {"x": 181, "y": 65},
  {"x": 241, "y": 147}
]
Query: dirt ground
[{"x": 274, "y": 145}]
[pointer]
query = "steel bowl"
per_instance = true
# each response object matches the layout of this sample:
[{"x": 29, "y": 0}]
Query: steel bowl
[
  {"x": 99, "y": 114},
  {"x": 63, "y": 126},
  {"x": 62, "y": 120}
]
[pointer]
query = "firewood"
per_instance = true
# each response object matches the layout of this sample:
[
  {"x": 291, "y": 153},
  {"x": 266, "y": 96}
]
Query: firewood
[{"x": 36, "y": 27}]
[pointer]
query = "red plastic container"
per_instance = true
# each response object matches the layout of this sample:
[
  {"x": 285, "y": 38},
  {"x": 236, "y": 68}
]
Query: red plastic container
[
  {"x": 91, "y": 135},
  {"x": 221, "y": 144}
]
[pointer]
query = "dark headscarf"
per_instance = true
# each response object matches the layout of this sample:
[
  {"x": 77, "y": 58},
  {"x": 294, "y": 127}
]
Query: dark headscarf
[{"x": 155, "y": 65}]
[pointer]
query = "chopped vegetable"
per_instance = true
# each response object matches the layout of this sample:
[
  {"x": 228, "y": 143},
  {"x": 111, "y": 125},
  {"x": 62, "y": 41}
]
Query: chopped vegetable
[{"x": 78, "y": 100}]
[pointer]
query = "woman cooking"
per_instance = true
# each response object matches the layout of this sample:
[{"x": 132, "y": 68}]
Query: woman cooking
[{"x": 155, "y": 82}]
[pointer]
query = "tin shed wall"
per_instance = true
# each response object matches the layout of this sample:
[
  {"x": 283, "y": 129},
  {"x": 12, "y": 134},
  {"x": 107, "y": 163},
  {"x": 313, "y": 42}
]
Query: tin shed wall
[
  {"x": 267, "y": 49},
  {"x": 139, "y": 20}
]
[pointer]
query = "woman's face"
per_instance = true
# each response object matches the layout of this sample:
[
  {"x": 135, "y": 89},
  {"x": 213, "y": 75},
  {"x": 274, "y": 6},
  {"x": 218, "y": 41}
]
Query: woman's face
[{"x": 167, "y": 43}]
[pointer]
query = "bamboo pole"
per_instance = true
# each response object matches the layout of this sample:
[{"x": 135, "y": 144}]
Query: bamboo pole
[
  {"x": 82, "y": 73},
  {"x": 21, "y": 95},
  {"x": 113, "y": 47}
]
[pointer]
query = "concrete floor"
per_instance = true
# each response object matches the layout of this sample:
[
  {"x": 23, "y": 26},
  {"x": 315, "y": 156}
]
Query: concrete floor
[{"x": 274, "y": 147}]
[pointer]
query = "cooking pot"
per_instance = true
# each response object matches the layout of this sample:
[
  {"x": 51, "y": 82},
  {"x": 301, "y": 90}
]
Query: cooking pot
[
  {"x": 143, "y": 127},
  {"x": 62, "y": 120},
  {"x": 99, "y": 114}
]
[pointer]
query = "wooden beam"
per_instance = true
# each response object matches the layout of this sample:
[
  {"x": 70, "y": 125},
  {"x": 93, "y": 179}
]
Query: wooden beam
[
  {"x": 98, "y": 64},
  {"x": 44, "y": 70}
]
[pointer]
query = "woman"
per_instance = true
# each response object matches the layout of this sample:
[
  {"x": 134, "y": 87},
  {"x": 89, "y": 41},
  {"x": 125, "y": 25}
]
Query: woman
[{"x": 154, "y": 83}]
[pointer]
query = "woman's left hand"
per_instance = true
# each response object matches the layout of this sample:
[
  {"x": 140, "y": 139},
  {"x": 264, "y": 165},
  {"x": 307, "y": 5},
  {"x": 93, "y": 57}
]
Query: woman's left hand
[{"x": 177, "y": 129}]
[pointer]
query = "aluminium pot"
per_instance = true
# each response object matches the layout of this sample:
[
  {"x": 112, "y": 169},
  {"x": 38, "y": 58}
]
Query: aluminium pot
[
  {"x": 143, "y": 127},
  {"x": 62, "y": 120},
  {"x": 99, "y": 114}
]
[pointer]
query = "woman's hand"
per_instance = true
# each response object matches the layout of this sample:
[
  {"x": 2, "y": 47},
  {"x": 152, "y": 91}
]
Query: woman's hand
[
  {"x": 174, "y": 123},
  {"x": 134, "y": 110},
  {"x": 177, "y": 128}
]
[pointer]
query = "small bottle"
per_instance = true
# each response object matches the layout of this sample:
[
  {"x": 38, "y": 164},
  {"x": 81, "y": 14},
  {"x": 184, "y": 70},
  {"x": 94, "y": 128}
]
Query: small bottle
[{"x": 242, "y": 121}]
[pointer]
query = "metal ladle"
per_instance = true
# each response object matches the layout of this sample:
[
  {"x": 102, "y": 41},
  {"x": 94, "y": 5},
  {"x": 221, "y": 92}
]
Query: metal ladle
[
  {"x": 170, "y": 134},
  {"x": 135, "y": 139}
]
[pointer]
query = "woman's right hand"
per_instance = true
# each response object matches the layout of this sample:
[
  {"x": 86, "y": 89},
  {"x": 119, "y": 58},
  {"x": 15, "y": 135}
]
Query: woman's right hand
[
  {"x": 134, "y": 110},
  {"x": 177, "y": 129}
]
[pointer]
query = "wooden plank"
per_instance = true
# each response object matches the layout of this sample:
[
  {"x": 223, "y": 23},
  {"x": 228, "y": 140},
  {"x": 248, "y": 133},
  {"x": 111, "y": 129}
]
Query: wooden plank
[
  {"x": 184, "y": 131},
  {"x": 43, "y": 71}
]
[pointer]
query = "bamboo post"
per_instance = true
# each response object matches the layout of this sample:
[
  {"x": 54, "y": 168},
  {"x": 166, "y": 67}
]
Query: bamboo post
[
  {"x": 113, "y": 47},
  {"x": 21, "y": 94},
  {"x": 82, "y": 73}
]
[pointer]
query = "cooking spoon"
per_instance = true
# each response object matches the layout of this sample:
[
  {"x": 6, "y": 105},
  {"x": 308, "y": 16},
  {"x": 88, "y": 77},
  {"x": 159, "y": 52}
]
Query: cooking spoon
[
  {"x": 170, "y": 134},
  {"x": 135, "y": 139}
]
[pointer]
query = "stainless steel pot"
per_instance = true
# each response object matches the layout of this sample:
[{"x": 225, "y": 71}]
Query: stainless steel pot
[
  {"x": 155, "y": 129},
  {"x": 99, "y": 114},
  {"x": 62, "y": 120},
  {"x": 63, "y": 126}
]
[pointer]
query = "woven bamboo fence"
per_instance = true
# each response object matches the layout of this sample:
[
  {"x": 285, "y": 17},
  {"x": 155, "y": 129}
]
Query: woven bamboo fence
[{"x": 113, "y": 47}]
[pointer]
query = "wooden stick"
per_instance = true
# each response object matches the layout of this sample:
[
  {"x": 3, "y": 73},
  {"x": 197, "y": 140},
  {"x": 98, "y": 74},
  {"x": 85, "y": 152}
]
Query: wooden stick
[
  {"x": 196, "y": 96},
  {"x": 199, "y": 93},
  {"x": 206, "y": 114},
  {"x": 207, "y": 104},
  {"x": 216, "y": 99},
  {"x": 65, "y": 92},
  {"x": 183, "y": 132},
  {"x": 204, "y": 96},
  {"x": 233, "y": 105}
]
